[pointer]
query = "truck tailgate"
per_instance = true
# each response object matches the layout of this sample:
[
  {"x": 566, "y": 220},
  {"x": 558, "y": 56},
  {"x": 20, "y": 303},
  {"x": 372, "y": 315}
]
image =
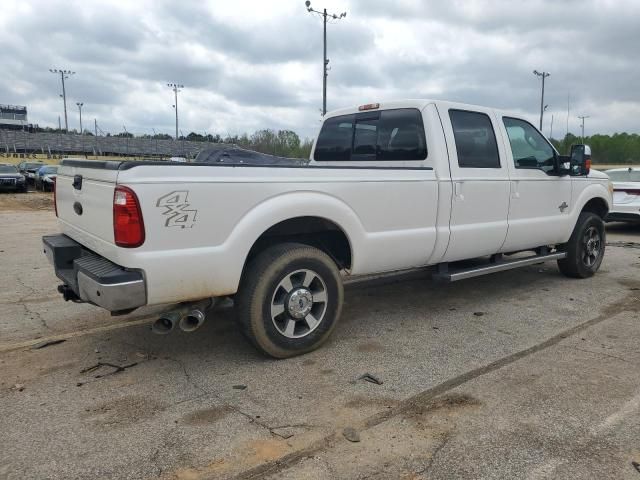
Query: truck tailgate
[{"x": 84, "y": 197}]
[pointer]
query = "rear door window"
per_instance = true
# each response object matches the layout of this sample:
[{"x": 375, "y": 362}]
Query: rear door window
[
  {"x": 475, "y": 139},
  {"x": 378, "y": 135}
]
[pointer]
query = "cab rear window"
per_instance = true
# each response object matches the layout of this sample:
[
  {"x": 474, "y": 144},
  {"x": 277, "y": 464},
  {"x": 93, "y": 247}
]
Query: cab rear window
[{"x": 396, "y": 134}]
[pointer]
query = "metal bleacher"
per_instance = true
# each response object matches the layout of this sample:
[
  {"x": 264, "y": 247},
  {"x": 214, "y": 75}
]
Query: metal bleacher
[{"x": 56, "y": 144}]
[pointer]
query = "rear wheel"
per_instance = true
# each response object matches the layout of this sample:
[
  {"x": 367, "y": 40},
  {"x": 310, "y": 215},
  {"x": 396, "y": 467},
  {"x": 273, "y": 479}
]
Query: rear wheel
[
  {"x": 289, "y": 300},
  {"x": 585, "y": 248}
]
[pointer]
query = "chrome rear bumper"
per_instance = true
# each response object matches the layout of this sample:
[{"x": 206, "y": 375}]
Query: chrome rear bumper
[{"x": 92, "y": 278}]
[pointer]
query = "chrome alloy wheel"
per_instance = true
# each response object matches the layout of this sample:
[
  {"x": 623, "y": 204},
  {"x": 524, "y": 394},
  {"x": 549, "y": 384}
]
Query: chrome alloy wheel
[
  {"x": 592, "y": 246},
  {"x": 299, "y": 303}
]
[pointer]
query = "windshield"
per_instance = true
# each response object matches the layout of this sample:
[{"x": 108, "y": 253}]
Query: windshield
[
  {"x": 29, "y": 166},
  {"x": 48, "y": 170},
  {"x": 8, "y": 169}
]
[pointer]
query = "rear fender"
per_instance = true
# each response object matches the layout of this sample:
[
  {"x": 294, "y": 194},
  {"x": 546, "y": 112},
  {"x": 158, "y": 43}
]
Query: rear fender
[{"x": 284, "y": 207}]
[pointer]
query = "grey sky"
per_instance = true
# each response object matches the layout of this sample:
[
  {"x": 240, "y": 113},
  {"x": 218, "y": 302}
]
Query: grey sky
[{"x": 247, "y": 64}]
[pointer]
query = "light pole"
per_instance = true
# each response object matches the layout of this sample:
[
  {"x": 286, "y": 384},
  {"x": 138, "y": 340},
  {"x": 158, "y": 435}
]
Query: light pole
[
  {"x": 64, "y": 74},
  {"x": 80, "y": 104},
  {"x": 176, "y": 88},
  {"x": 325, "y": 60},
  {"x": 582, "y": 117},
  {"x": 155, "y": 136},
  {"x": 543, "y": 75},
  {"x": 126, "y": 134}
]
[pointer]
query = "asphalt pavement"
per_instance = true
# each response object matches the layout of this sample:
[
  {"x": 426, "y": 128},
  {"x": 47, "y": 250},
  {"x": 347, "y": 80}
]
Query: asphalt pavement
[{"x": 522, "y": 374}]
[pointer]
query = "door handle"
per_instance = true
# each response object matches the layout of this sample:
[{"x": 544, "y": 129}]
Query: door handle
[
  {"x": 515, "y": 193},
  {"x": 457, "y": 190}
]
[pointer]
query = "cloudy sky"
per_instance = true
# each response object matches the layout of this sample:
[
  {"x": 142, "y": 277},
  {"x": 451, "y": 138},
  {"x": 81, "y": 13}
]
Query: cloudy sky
[{"x": 249, "y": 64}]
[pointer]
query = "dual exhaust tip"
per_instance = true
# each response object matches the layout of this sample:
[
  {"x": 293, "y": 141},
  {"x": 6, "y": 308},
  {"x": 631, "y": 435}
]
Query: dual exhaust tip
[{"x": 188, "y": 317}]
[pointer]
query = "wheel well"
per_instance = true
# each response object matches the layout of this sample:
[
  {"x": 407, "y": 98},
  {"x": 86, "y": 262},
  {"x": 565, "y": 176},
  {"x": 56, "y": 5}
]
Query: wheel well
[
  {"x": 597, "y": 206},
  {"x": 315, "y": 231}
]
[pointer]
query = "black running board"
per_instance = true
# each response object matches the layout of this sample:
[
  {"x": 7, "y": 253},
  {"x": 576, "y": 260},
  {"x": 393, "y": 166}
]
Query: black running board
[{"x": 455, "y": 275}]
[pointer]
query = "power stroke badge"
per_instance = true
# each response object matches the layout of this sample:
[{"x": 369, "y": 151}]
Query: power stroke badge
[{"x": 177, "y": 211}]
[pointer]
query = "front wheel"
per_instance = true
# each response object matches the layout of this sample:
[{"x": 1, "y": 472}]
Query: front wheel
[
  {"x": 289, "y": 300},
  {"x": 585, "y": 248}
]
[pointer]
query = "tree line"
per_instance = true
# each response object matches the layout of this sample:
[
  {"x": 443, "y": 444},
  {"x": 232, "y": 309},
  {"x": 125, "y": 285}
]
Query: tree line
[{"x": 619, "y": 148}]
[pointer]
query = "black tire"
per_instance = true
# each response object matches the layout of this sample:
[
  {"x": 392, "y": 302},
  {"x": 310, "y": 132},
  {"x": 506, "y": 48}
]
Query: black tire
[
  {"x": 261, "y": 292},
  {"x": 585, "y": 248}
]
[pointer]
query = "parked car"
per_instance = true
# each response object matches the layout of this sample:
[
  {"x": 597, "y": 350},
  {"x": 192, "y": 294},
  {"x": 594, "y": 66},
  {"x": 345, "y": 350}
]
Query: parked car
[
  {"x": 11, "y": 178},
  {"x": 45, "y": 176},
  {"x": 389, "y": 187},
  {"x": 29, "y": 169},
  {"x": 626, "y": 194}
]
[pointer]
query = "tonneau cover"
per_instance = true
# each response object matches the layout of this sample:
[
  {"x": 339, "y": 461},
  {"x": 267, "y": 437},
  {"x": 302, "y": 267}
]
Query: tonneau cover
[{"x": 236, "y": 155}]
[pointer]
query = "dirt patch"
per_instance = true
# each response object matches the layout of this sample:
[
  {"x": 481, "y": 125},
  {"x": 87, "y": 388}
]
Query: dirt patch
[
  {"x": 444, "y": 405},
  {"x": 267, "y": 450},
  {"x": 21, "y": 202},
  {"x": 123, "y": 411},
  {"x": 207, "y": 416}
]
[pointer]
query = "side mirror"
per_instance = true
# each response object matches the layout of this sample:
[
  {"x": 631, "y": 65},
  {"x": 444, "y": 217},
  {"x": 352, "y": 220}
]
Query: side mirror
[
  {"x": 563, "y": 165},
  {"x": 580, "y": 159}
]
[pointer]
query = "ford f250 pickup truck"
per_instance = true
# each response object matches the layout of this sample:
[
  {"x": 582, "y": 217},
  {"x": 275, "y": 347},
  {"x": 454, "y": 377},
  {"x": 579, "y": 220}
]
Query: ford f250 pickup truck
[{"x": 389, "y": 186}]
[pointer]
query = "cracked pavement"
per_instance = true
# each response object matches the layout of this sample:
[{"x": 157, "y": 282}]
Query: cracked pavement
[{"x": 544, "y": 384}]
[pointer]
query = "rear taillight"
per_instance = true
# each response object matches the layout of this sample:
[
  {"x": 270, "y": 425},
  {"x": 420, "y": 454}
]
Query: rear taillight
[
  {"x": 628, "y": 191},
  {"x": 128, "y": 226},
  {"x": 55, "y": 203}
]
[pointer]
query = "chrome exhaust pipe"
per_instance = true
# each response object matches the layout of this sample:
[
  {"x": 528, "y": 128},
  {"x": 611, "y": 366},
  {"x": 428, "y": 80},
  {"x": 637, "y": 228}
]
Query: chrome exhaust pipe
[
  {"x": 196, "y": 315},
  {"x": 168, "y": 320}
]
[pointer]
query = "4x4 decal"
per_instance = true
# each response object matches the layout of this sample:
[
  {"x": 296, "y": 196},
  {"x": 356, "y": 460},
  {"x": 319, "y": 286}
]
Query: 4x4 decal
[{"x": 177, "y": 212}]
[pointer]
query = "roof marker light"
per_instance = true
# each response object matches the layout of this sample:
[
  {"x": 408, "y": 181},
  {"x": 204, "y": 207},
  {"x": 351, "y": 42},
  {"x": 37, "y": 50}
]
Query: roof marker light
[{"x": 369, "y": 106}]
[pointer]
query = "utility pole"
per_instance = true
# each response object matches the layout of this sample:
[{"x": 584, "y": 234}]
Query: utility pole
[
  {"x": 551, "y": 129},
  {"x": 582, "y": 117},
  {"x": 325, "y": 60},
  {"x": 543, "y": 75},
  {"x": 80, "y": 104},
  {"x": 568, "y": 107},
  {"x": 176, "y": 88},
  {"x": 95, "y": 126},
  {"x": 64, "y": 74},
  {"x": 59, "y": 125}
]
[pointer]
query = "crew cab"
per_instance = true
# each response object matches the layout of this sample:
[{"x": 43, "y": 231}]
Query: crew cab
[{"x": 389, "y": 186}]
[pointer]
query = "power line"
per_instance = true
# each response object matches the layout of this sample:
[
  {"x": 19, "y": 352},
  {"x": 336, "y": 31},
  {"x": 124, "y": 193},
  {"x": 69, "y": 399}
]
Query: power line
[
  {"x": 64, "y": 74},
  {"x": 325, "y": 61}
]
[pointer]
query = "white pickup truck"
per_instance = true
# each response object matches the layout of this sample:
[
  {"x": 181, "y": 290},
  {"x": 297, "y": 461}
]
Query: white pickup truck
[{"x": 389, "y": 186}]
